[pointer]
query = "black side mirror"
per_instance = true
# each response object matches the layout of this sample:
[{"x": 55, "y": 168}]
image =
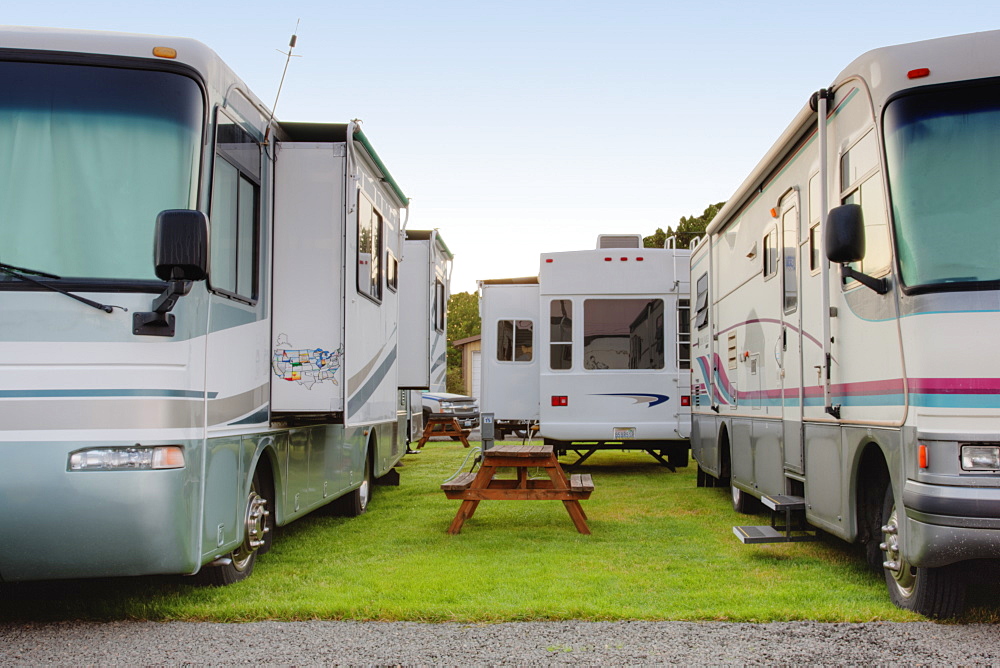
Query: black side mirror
[
  {"x": 180, "y": 256},
  {"x": 180, "y": 245},
  {"x": 845, "y": 234}
]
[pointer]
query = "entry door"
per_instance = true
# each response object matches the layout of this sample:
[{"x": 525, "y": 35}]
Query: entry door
[{"x": 790, "y": 357}]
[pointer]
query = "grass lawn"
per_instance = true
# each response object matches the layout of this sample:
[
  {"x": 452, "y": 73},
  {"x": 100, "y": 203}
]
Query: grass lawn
[{"x": 661, "y": 549}]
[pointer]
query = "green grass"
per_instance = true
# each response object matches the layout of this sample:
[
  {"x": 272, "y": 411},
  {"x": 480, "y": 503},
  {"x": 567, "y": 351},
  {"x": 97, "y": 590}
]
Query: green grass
[{"x": 661, "y": 549}]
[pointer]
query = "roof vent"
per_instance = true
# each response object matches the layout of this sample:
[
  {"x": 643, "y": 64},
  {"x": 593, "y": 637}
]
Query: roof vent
[{"x": 619, "y": 241}]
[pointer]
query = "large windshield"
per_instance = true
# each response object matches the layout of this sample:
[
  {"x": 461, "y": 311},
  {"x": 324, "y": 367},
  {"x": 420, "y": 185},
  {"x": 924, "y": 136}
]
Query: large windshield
[
  {"x": 88, "y": 157},
  {"x": 943, "y": 151}
]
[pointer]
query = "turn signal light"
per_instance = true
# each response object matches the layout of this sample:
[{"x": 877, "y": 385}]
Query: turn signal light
[{"x": 922, "y": 456}]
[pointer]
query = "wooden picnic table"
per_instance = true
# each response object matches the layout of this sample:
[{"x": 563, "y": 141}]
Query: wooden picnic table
[
  {"x": 443, "y": 426},
  {"x": 471, "y": 488}
]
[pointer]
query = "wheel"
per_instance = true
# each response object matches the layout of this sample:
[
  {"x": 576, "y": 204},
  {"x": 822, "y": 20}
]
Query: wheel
[
  {"x": 932, "y": 592},
  {"x": 355, "y": 502},
  {"x": 257, "y": 535},
  {"x": 743, "y": 502}
]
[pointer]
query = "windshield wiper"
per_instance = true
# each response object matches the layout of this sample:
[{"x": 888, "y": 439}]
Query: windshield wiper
[{"x": 22, "y": 274}]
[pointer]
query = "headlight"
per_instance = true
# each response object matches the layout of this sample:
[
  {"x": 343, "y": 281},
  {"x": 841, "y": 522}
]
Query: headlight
[
  {"x": 981, "y": 457},
  {"x": 129, "y": 458},
  {"x": 446, "y": 405}
]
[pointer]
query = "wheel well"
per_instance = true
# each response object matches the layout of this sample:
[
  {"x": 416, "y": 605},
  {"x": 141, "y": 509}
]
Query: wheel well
[
  {"x": 725, "y": 465},
  {"x": 872, "y": 479}
]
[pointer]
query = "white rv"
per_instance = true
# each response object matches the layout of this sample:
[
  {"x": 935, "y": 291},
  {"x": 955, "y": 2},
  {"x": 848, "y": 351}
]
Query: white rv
[
  {"x": 510, "y": 359},
  {"x": 425, "y": 280},
  {"x": 164, "y": 416},
  {"x": 608, "y": 360},
  {"x": 845, "y": 302}
]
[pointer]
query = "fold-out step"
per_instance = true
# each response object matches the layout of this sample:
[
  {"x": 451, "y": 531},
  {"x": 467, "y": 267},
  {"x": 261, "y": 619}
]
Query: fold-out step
[
  {"x": 769, "y": 534},
  {"x": 783, "y": 502}
]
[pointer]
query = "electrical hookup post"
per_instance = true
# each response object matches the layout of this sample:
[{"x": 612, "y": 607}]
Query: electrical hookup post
[{"x": 486, "y": 430}]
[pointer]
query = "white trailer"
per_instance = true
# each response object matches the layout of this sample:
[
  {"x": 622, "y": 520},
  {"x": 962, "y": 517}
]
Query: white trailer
[
  {"x": 846, "y": 298},
  {"x": 508, "y": 310},
  {"x": 163, "y": 417},
  {"x": 611, "y": 361},
  {"x": 425, "y": 286}
]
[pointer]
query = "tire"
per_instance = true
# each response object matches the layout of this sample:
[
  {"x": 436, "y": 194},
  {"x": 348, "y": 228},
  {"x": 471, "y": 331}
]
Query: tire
[
  {"x": 355, "y": 502},
  {"x": 743, "y": 502},
  {"x": 258, "y": 532},
  {"x": 937, "y": 592}
]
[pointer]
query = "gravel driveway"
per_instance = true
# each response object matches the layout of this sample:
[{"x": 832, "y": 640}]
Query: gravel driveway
[{"x": 522, "y": 644}]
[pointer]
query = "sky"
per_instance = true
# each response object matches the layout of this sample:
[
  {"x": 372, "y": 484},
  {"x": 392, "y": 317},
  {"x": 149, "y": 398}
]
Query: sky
[{"x": 521, "y": 127}]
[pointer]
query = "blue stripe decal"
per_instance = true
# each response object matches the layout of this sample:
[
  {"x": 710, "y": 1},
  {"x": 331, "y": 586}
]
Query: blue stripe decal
[
  {"x": 35, "y": 394},
  {"x": 361, "y": 397}
]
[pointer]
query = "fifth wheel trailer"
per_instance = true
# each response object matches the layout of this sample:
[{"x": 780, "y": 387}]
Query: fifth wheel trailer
[
  {"x": 598, "y": 349},
  {"x": 846, "y": 300},
  {"x": 162, "y": 417}
]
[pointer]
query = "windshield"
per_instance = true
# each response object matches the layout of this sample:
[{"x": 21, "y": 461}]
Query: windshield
[
  {"x": 89, "y": 157},
  {"x": 943, "y": 152}
]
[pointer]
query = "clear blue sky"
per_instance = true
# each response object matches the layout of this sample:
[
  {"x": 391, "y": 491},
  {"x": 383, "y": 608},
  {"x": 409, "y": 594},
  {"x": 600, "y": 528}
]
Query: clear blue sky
[{"x": 527, "y": 126}]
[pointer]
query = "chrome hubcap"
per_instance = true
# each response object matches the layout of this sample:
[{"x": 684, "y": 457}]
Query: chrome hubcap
[
  {"x": 895, "y": 562},
  {"x": 255, "y": 530}
]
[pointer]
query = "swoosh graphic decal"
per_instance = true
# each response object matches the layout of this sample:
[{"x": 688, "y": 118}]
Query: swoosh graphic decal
[{"x": 649, "y": 399}]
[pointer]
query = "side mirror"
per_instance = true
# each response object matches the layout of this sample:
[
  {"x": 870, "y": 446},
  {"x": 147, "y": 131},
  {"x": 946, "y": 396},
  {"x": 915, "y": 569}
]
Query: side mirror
[
  {"x": 180, "y": 245},
  {"x": 845, "y": 234}
]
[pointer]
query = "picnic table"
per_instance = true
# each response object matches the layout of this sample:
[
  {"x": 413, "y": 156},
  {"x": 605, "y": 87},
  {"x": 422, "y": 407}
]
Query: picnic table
[
  {"x": 443, "y": 426},
  {"x": 486, "y": 485}
]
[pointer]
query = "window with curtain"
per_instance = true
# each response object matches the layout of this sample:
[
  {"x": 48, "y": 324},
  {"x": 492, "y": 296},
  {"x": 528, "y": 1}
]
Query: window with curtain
[{"x": 91, "y": 155}]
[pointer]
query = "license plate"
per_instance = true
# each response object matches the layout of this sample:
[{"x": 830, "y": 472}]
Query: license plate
[{"x": 624, "y": 433}]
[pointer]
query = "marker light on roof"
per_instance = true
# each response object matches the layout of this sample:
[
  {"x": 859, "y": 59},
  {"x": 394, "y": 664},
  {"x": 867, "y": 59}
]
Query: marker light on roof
[
  {"x": 164, "y": 52},
  {"x": 918, "y": 73}
]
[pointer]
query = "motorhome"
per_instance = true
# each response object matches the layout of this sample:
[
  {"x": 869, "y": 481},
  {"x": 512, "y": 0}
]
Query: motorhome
[
  {"x": 843, "y": 297},
  {"x": 165, "y": 416},
  {"x": 597, "y": 350},
  {"x": 425, "y": 286}
]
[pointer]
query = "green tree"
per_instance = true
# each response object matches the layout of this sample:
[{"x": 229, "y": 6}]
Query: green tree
[
  {"x": 687, "y": 229},
  {"x": 463, "y": 322}
]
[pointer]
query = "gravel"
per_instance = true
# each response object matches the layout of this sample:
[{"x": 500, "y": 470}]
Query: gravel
[{"x": 320, "y": 643}]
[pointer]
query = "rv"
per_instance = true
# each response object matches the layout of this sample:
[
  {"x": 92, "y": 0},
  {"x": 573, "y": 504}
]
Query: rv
[
  {"x": 510, "y": 366},
  {"x": 425, "y": 286},
  {"x": 841, "y": 301},
  {"x": 600, "y": 358},
  {"x": 165, "y": 416}
]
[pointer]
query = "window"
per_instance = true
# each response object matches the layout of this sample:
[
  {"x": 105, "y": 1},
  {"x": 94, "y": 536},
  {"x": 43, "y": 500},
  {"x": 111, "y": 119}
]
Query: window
[
  {"x": 91, "y": 155},
  {"x": 814, "y": 257},
  {"x": 369, "y": 249},
  {"x": 235, "y": 213},
  {"x": 770, "y": 246},
  {"x": 515, "y": 340},
  {"x": 941, "y": 150},
  {"x": 623, "y": 334},
  {"x": 683, "y": 333},
  {"x": 790, "y": 272},
  {"x": 860, "y": 183},
  {"x": 440, "y": 306},
  {"x": 701, "y": 305},
  {"x": 561, "y": 334},
  {"x": 391, "y": 271}
]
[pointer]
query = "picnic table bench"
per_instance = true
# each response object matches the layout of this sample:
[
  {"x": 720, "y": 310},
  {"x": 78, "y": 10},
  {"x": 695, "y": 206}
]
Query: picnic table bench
[{"x": 485, "y": 485}]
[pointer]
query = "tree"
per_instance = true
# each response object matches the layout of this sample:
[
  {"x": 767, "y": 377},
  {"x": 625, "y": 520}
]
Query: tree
[
  {"x": 463, "y": 322},
  {"x": 687, "y": 229}
]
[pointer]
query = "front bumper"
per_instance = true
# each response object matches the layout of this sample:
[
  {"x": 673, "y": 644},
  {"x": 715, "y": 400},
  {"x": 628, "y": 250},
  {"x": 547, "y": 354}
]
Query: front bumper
[{"x": 948, "y": 524}]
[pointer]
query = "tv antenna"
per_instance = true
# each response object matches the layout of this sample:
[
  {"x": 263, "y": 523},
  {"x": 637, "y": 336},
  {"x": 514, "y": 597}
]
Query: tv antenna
[{"x": 288, "y": 59}]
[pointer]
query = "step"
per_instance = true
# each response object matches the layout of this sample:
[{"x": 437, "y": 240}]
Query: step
[
  {"x": 767, "y": 534},
  {"x": 783, "y": 502}
]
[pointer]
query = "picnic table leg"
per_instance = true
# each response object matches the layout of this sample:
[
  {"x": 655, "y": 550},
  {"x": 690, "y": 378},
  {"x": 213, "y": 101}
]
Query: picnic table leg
[
  {"x": 465, "y": 511},
  {"x": 576, "y": 514}
]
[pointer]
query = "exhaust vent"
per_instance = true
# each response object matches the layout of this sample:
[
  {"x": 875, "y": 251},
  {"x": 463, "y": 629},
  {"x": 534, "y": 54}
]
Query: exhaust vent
[{"x": 619, "y": 241}]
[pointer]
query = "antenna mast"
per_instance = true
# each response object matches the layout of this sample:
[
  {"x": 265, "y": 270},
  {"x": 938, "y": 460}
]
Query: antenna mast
[{"x": 291, "y": 45}]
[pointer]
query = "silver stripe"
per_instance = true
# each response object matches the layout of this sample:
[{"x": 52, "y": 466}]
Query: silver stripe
[
  {"x": 223, "y": 411},
  {"x": 138, "y": 413}
]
